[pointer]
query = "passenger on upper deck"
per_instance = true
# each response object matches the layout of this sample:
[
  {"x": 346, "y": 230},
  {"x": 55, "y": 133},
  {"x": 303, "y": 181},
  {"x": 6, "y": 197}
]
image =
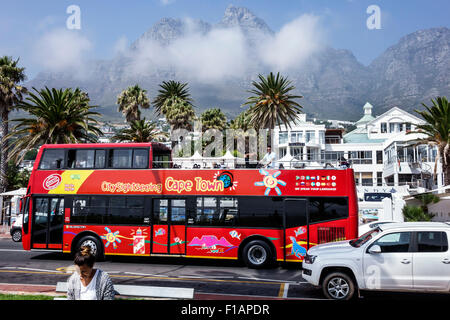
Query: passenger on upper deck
[{"x": 269, "y": 160}]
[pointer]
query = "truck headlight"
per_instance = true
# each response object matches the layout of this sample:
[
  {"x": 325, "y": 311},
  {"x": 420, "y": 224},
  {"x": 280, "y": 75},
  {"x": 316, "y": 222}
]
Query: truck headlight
[{"x": 309, "y": 259}]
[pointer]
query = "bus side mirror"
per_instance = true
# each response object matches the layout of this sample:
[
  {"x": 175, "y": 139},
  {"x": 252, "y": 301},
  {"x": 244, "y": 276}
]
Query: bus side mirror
[{"x": 375, "y": 249}]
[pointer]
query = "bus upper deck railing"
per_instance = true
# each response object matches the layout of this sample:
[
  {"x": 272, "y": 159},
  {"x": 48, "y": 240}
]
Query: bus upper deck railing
[{"x": 295, "y": 164}]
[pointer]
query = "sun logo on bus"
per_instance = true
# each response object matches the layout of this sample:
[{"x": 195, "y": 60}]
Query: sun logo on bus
[
  {"x": 111, "y": 237},
  {"x": 270, "y": 181}
]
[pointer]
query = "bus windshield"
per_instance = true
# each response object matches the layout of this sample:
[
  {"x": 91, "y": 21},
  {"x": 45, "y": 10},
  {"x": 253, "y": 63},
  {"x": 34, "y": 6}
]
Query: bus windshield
[{"x": 365, "y": 237}]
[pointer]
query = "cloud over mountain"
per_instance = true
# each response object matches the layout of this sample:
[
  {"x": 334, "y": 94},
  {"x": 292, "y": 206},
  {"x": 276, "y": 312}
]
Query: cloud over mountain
[
  {"x": 240, "y": 43},
  {"x": 220, "y": 61},
  {"x": 61, "y": 50}
]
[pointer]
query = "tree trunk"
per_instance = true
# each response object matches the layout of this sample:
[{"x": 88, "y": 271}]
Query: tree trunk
[
  {"x": 445, "y": 163},
  {"x": 446, "y": 170},
  {"x": 4, "y": 152}
]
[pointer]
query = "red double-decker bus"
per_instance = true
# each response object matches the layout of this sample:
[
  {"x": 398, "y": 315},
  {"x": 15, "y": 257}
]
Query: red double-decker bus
[{"x": 126, "y": 199}]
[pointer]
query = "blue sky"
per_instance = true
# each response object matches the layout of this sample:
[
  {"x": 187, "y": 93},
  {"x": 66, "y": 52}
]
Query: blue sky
[{"x": 105, "y": 23}]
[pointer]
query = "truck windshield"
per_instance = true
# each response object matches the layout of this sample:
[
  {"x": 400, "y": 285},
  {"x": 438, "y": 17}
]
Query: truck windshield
[{"x": 365, "y": 237}]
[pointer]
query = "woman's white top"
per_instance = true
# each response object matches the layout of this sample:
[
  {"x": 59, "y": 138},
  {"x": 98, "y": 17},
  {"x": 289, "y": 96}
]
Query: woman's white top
[{"x": 88, "y": 292}]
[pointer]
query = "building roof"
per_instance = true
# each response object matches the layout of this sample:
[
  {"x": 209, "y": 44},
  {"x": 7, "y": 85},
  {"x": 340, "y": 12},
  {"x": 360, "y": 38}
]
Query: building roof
[
  {"x": 400, "y": 110},
  {"x": 365, "y": 119},
  {"x": 360, "y": 135},
  {"x": 367, "y": 114}
]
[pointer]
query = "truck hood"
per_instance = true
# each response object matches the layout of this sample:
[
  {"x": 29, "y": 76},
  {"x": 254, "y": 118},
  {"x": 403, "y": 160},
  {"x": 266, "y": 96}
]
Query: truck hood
[{"x": 332, "y": 247}]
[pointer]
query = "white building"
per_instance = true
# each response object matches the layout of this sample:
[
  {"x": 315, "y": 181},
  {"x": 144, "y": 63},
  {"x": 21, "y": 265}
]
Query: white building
[{"x": 385, "y": 158}]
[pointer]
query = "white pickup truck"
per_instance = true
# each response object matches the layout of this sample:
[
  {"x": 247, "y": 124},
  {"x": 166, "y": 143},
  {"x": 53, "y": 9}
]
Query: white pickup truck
[{"x": 408, "y": 256}]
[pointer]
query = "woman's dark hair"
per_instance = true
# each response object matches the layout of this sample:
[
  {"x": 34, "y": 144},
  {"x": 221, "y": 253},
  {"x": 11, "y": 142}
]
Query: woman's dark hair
[{"x": 85, "y": 257}]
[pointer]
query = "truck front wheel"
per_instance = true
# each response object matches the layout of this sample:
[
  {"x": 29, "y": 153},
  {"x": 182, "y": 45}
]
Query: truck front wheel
[{"x": 338, "y": 286}]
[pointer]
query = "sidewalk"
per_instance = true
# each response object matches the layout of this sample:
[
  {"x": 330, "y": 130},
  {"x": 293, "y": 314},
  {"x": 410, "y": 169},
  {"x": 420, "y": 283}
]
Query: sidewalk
[
  {"x": 27, "y": 289},
  {"x": 8, "y": 288},
  {"x": 4, "y": 232}
]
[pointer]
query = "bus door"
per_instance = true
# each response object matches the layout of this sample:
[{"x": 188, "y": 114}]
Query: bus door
[
  {"x": 296, "y": 229},
  {"x": 169, "y": 229},
  {"x": 25, "y": 204},
  {"x": 47, "y": 223}
]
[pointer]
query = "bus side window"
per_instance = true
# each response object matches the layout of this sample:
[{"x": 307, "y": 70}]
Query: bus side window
[
  {"x": 80, "y": 159},
  {"x": 79, "y": 210},
  {"x": 120, "y": 158},
  {"x": 52, "y": 159},
  {"x": 140, "y": 158},
  {"x": 327, "y": 208},
  {"x": 207, "y": 213},
  {"x": 100, "y": 158},
  {"x": 228, "y": 211}
]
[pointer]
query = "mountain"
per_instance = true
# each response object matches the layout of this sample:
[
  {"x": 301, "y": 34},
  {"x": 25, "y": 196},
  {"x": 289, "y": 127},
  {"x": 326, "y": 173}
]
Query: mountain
[
  {"x": 167, "y": 30},
  {"x": 333, "y": 83},
  {"x": 414, "y": 70}
]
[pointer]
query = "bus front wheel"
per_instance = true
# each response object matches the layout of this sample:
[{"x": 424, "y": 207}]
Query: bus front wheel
[{"x": 257, "y": 254}]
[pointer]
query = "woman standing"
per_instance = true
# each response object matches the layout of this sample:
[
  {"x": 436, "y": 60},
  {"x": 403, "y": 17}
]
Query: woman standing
[{"x": 89, "y": 283}]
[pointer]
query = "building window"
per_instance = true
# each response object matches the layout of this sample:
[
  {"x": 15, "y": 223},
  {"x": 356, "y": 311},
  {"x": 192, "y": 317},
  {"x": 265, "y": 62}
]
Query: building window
[
  {"x": 296, "y": 136},
  {"x": 360, "y": 157},
  {"x": 283, "y": 138},
  {"x": 332, "y": 156},
  {"x": 383, "y": 127},
  {"x": 310, "y": 136},
  {"x": 297, "y": 152},
  {"x": 321, "y": 137},
  {"x": 366, "y": 178},
  {"x": 408, "y": 126},
  {"x": 392, "y": 127},
  {"x": 379, "y": 157},
  {"x": 379, "y": 179}
]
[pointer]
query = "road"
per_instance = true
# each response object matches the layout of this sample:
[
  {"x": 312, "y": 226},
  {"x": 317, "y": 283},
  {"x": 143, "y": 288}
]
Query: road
[
  {"x": 208, "y": 277},
  {"x": 211, "y": 279}
]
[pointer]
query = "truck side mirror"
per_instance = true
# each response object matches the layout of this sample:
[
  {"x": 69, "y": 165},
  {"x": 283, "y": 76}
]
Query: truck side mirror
[{"x": 375, "y": 249}]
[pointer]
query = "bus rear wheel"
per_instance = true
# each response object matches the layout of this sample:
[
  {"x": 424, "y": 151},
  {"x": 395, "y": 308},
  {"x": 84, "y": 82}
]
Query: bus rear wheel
[
  {"x": 257, "y": 254},
  {"x": 94, "y": 243}
]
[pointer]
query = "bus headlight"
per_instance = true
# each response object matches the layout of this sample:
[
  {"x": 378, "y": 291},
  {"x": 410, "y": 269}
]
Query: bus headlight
[{"x": 309, "y": 259}]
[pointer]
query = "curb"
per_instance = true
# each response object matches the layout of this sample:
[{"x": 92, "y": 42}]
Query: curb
[{"x": 30, "y": 289}]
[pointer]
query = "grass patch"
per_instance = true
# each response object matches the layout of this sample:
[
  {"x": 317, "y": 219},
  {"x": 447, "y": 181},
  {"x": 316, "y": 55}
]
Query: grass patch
[{"x": 24, "y": 297}]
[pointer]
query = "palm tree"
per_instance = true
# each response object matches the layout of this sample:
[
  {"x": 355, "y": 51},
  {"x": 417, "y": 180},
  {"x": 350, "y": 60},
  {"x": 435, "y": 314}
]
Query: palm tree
[
  {"x": 130, "y": 100},
  {"x": 140, "y": 131},
  {"x": 272, "y": 104},
  {"x": 241, "y": 122},
  {"x": 437, "y": 131},
  {"x": 213, "y": 119},
  {"x": 10, "y": 94},
  {"x": 168, "y": 90},
  {"x": 179, "y": 113},
  {"x": 58, "y": 116}
]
